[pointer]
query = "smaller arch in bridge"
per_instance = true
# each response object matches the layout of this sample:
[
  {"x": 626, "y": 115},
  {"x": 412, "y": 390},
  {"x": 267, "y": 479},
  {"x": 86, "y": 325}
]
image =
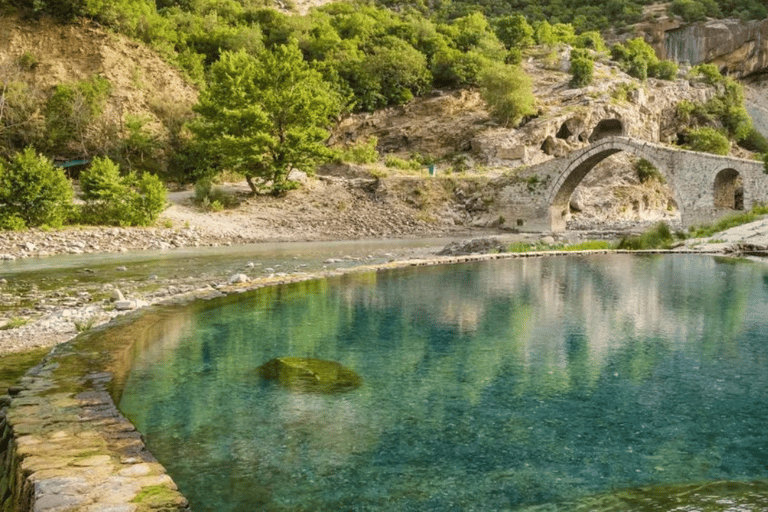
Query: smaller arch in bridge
[
  {"x": 607, "y": 128},
  {"x": 728, "y": 190}
]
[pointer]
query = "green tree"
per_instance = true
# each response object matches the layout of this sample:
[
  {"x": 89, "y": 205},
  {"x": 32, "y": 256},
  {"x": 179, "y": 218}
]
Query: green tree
[
  {"x": 514, "y": 31},
  {"x": 266, "y": 115},
  {"x": 453, "y": 68},
  {"x": 582, "y": 68},
  {"x": 635, "y": 57},
  {"x": 33, "y": 192},
  {"x": 508, "y": 92},
  {"x": 473, "y": 32},
  {"x": 391, "y": 74}
]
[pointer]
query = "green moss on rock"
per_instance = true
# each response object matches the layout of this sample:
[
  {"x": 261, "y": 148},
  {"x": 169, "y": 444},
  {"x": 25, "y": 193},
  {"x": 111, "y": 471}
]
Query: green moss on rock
[{"x": 313, "y": 375}]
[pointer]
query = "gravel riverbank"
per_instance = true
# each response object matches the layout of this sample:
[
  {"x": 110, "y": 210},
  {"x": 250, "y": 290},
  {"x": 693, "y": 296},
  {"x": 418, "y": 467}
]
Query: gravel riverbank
[{"x": 42, "y": 314}]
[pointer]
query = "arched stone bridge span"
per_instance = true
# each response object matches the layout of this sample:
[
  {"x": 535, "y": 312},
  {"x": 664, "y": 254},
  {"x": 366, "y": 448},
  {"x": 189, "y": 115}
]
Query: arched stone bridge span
[{"x": 705, "y": 186}]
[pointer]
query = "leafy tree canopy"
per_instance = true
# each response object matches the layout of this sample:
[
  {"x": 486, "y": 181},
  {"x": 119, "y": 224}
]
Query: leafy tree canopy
[{"x": 266, "y": 115}]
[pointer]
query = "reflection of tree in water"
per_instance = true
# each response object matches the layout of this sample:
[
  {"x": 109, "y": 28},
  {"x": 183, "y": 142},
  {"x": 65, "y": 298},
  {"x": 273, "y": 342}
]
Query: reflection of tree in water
[{"x": 526, "y": 381}]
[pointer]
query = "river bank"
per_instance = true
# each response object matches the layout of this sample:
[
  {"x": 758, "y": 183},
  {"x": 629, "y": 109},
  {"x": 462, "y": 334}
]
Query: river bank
[{"x": 55, "y": 284}]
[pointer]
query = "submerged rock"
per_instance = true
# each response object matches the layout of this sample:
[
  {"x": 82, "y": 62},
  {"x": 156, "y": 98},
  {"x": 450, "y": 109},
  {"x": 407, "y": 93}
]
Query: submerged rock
[{"x": 307, "y": 374}]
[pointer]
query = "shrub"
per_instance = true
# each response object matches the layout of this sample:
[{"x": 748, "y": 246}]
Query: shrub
[
  {"x": 665, "y": 70},
  {"x": 754, "y": 141},
  {"x": 582, "y": 68},
  {"x": 646, "y": 171},
  {"x": 212, "y": 198},
  {"x": 361, "y": 152},
  {"x": 591, "y": 40},
  {"x": 113, "y": 199},
  {"x": 452, "y": 68},
  {"x": 20, "y": 122},
  {"x": 28, "y": 61},
  {"x": 659, "y": 237},
  {"x": 638, "y": 59},
  {"x": 402, "y": 164},
  {"x": 708, "y": 73},
  {"x": 71, "y": 110},
  {"x": 33, "y": 192},
  {"x": 514, "y": 57},
  {"x": 508, "y": 92},
  {"x": 708, "y": 140},
  {"x": 689, "y": 10}
]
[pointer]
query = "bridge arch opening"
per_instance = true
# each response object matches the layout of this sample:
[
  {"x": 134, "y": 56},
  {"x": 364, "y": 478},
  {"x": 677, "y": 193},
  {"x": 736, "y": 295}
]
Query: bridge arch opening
[
  {"x": 728, "y": 190},
  {"x": 649, "y": 203}
]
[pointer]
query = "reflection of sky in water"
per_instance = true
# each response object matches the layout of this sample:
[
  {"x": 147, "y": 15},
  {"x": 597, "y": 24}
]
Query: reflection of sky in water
[{"x": 487, "y": 386}]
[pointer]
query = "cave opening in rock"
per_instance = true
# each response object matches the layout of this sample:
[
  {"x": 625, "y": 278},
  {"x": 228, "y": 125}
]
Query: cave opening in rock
[
  {"x": 607, "y": 128},
  {"x": 564, "y": 132},
  {"x": 729, "y": 190}
]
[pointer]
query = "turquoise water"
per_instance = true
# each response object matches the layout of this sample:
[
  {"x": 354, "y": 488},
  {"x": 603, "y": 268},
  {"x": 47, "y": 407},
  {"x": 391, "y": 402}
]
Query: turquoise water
[{"x": 488, "y": 386}]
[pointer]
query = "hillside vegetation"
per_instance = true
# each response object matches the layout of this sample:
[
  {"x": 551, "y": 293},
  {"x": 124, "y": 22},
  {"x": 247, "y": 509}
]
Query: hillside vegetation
[{"x": 274, "y": 84}]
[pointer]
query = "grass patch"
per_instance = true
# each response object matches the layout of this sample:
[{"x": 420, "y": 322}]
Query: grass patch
[
  {"x": 658, "y": 237},
  {"x": 13, "y": 323},
  {"x": 155, "y": 496},
  {"x": 729, "y": 222},
  {"x": 14, "y": 365},
  {"x": 590, "y": 245},
  {"x": 523, "y": 247}
]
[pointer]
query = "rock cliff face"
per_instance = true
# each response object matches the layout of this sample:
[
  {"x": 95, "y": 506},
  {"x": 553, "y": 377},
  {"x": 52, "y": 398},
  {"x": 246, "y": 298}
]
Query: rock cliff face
[{"x": 737, "y": 47}]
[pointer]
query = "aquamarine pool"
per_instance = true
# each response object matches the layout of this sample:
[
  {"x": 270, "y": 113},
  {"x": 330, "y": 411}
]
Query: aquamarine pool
[{"x": 488, "y": 386}]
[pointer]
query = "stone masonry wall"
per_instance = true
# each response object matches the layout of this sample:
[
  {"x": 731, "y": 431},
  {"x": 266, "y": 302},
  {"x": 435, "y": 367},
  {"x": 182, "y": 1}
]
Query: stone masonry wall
[
  {"x": 65, "y": 447},
  {"x": 12, "y": 496}
]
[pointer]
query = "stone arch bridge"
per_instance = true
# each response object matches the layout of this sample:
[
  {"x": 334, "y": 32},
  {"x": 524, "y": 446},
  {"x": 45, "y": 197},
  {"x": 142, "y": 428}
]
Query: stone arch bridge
[{"x": 705, "y": 186}]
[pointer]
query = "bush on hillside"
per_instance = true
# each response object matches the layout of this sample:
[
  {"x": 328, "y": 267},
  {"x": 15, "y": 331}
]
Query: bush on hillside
[
  {"x": 754, "y": 141},
  {"x": 508, "y": 92},
  {"x": 664, "y": 70},
  {"x": 514, "y": 31},
  {"x": 453, "y": 68},
  {"x": 646, "y": 172},
  {"x": 708, "y": 140},
  {"x": 71, "y": 111},
  {"x": 582, "y": 68},
  {"x": 33, "y": 192},
  {"x": 361, "y": 152}
]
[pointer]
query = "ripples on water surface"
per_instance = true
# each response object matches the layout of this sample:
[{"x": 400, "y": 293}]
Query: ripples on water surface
[{"x": 488, "y": 386}]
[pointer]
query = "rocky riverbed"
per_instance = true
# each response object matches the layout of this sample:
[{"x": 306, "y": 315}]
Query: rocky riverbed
[{"x": 44, "y": 312}]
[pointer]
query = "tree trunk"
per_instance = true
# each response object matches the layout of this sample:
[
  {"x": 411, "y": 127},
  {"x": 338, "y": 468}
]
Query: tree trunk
[{"x": 251, "y": 184}]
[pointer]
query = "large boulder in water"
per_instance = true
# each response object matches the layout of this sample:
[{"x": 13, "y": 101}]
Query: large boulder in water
[{"x": 307, "y": 374}]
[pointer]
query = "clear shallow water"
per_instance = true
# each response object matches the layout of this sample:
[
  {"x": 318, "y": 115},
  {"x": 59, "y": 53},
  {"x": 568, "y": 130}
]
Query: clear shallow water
[{"x": 488, "y": 386}]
